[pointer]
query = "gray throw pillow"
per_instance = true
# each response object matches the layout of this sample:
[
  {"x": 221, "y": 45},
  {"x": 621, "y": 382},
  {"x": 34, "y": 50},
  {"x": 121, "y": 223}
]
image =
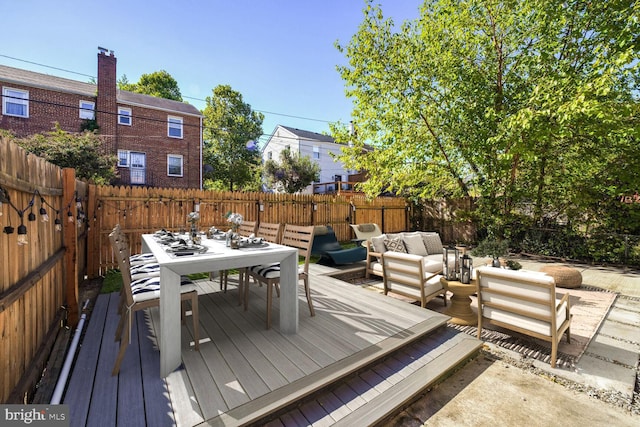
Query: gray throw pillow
[{"x": 433, "y": 243}]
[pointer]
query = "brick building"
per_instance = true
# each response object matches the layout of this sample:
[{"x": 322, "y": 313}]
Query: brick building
[{"x": 158, "y": 141}]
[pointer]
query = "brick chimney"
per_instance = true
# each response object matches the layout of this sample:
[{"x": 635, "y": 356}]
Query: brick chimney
[{"x": 106, "y": 101}]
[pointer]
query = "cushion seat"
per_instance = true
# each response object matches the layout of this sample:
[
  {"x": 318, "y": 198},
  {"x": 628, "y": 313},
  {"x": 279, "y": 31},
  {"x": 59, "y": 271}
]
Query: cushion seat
[
  {"x": 149, "y": 288},
  {"x": 269, "y": 271},
  {"x": 144, "y": 258},
  {"x": 141, "y": 271}
]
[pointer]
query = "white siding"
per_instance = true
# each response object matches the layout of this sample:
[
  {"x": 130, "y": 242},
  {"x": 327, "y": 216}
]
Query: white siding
[{"x": 304, "y": 148}]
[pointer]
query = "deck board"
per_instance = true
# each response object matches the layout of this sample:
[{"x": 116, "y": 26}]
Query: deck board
[
  {"x": 157, "y": 406},
  {"x": 130, "y": 396},
  {"x": 186, "y": 409},
  {"x": 78, "y": 394},
  {"x": 243, "y": 372},
  {"x": 103, "y": 410}
]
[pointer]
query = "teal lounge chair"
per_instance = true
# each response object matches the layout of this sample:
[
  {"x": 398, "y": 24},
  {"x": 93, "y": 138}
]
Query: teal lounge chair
[{"x": 326, "y": 245}]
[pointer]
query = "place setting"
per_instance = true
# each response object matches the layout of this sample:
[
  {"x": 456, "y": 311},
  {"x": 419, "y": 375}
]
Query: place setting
[{"x": 177, "y": 245}]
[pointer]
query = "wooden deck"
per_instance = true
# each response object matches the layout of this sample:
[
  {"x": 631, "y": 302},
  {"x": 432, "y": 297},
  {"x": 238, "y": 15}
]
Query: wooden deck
[{"x": 359, "y": 358}]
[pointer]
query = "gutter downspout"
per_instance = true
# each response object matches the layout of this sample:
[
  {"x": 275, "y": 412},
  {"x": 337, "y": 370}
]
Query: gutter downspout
[{"x": 66, "y": 368}]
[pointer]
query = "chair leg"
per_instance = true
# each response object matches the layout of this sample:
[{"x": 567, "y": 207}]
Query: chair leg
[
  {"x": 226, "y": 280},
  {"x": 246, "y": 294},
  {"x": 123, "y": 315},
  {"x": 196, "y": 320},
  {"x": 307, "y": 291},
  {"x": 124, "y": 342},
  {"x": 243, "y": 281},
  {"x": 121, "y": 301}
]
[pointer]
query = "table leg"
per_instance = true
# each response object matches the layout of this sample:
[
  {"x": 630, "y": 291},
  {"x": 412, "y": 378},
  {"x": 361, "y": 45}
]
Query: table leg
[
  {"x": 289, "y": 294},
  {"x": 169, "y": 340}
]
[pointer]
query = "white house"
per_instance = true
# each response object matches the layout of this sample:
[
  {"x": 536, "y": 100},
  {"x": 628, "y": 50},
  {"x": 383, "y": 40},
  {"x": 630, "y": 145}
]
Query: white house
[{"x": 317, "y": 146}]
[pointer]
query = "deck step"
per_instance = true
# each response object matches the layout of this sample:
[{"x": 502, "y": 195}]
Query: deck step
[
  {"x": 366, "y": 396},
  {"x": 400, "y": 395},
  {"x": 256, "y": 411}
]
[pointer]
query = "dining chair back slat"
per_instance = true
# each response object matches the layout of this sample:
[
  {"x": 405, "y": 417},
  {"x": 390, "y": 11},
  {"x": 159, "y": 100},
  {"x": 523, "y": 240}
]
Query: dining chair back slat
[
  {"x": 271, "y": 232},
  {"x": 247, "y": 228}
]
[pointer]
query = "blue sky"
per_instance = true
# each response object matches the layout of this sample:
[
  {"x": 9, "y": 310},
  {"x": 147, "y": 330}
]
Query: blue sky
[{"x": 279, "y": 54}]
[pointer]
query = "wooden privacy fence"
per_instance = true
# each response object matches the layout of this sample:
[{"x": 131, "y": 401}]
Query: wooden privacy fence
[
  {"x": 450, "y": 218},
  {"x": 143, "y": 210},
  {"x": 39, "y": 277}
]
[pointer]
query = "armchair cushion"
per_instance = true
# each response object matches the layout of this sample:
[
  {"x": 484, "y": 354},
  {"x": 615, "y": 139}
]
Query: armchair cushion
[{"x": 432, "y": 263}]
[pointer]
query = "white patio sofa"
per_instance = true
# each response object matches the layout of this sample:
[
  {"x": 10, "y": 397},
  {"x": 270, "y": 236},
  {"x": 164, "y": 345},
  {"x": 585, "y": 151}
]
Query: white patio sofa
[
  {"x": 426, "y": 244},
  {"x": 525, "y": 302}
]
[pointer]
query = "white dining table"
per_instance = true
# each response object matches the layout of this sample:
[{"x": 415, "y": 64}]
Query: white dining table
[{"x": 218, "y": 257}]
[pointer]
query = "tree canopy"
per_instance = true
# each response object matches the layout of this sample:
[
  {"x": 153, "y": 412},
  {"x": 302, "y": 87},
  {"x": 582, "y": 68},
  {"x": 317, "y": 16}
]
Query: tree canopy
[
  {"x": 159, "y": 84},
  {"x": 293, "y": 173},
  {"x": 82, "y": 151},
  {"x": 231, "y": 156},
  {"x": 529, "y": 105}
]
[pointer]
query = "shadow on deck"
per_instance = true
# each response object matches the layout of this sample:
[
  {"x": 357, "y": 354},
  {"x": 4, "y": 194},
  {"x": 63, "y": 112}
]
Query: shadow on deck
[{"x": 362, "y": 357}]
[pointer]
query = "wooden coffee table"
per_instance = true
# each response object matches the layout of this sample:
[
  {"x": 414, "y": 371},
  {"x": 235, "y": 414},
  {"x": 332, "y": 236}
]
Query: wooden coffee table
[{"x": 460, "y": 309}]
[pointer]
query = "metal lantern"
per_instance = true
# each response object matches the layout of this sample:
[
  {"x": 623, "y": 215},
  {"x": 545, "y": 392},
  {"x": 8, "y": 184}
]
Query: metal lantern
[
  {"x": 466, "y": 267},
  {"x": 450, "y": 263}
]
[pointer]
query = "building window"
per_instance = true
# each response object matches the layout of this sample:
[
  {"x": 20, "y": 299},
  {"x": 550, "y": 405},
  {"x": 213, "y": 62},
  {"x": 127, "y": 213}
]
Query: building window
[
  {"x": 124, "y": 116},
  {"x": 174, "y": 165},
  {"x": 123, "y": 158},
  {"x": 269, "y": 155},
  {"x": 316, "y": 152},
  {"x": 87, "y": 110},
  {"x": 15, "y": 102},
  {"x": 174, "y": 127}
]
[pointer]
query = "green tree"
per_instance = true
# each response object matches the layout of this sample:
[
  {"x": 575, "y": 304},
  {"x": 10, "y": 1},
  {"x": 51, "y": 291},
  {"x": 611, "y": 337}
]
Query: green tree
[
  {"x": 159, "y": 84},
  {"x": 230, "y": 126},
  {"x": 293, "y": 173},
  {"x": 84, "y": 152},
  {"x": 529, "y": 104}
]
